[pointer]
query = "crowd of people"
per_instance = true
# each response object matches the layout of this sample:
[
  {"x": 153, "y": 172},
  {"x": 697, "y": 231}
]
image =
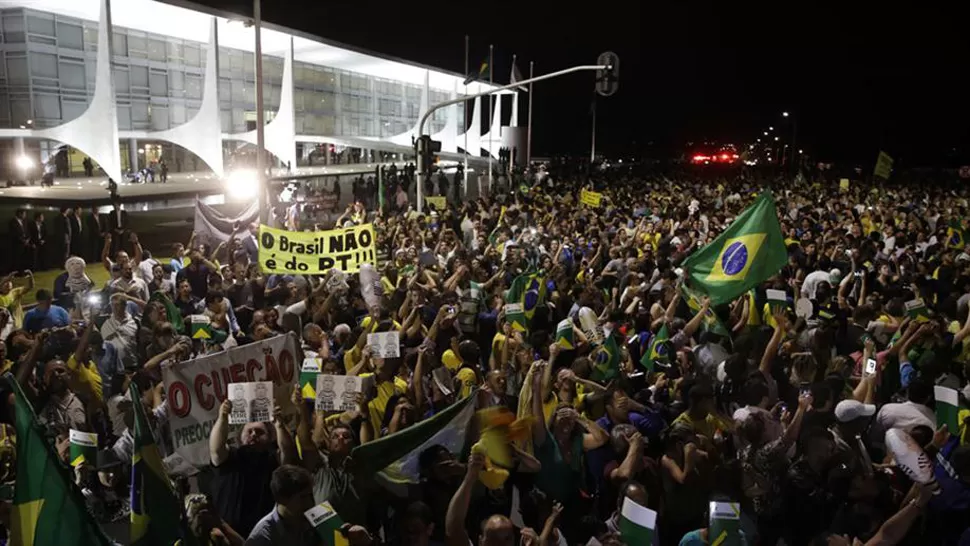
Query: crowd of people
[{"x": 632, "y": 388}]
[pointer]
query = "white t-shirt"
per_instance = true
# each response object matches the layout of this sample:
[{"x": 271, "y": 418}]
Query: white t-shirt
[
  {"x": 812, "y": 281},
  {"x": 906, "y": 416}
]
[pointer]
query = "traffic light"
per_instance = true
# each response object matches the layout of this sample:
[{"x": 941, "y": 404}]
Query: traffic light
[
  {"x": 608, "y": 79},
  {"x": 426, "y": 150}
]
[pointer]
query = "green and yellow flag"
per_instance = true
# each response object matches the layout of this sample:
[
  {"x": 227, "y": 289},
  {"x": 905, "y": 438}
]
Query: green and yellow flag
[
  {"x": 565, "y": 336},
  {"x": 658, "y": 351},
  {"x": 156, "y": 513},
  {"x": 955, "y": 236},
  {"x": 483, "y": 73},
  {"x": 884, "y": 165},
  {"x": 606, "y": 360},
  {"x": 48, "y": 509},
  {"x": 711, "y": 323},
  {"x": 749, "y": 251},
  {"x": 529, "y": 291}
]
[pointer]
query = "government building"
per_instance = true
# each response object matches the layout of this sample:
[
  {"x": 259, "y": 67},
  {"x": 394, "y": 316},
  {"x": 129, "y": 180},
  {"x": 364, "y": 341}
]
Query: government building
[{"x": 130, "y": 83}]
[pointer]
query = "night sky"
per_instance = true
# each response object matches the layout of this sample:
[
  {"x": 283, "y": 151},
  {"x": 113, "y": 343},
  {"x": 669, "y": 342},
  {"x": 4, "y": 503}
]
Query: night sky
[{"x": 855, "y": 82}]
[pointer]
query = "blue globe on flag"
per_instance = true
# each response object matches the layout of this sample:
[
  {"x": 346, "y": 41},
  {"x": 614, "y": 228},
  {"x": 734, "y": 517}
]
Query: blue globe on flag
[{"x": 734, "y": 259}]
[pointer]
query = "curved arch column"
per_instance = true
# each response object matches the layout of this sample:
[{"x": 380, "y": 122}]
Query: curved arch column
[
  {"x": 201, "y": 135},
  {"x": 280, "y": 133},
  {"x": 95, "y": 132}
]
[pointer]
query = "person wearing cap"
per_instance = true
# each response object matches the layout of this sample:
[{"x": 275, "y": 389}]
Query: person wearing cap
[{"x": 852, "y": 419}]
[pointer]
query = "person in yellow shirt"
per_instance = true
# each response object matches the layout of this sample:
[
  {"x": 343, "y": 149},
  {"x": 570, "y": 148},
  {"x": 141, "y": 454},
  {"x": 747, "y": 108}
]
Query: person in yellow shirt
[
  {"x": 10, "y": 297},
  {"x": 86, "y": 380},
  {"x": 387, "y": 385},
  {"x": 700, "y": 415},
  {"x": 467, "y": 376}
]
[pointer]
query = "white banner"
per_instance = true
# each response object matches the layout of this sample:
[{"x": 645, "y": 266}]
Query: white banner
[{"x": 195, "y": 389}]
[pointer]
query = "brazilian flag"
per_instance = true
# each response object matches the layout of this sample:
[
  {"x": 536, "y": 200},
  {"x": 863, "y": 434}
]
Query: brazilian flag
[
  {"x": 710, "y": 323},
  {"x": 749, "y": 251},
  {"x": 659, "y": 350},
  {"x": 48, "y": 509},
  {"x": 529, "y": 291},
  {"x": 955, "y": 236},
  {"x": 606, "y": 360},
  {"x": 484, "y": 73},
  {"x": 156, "y": 513}
]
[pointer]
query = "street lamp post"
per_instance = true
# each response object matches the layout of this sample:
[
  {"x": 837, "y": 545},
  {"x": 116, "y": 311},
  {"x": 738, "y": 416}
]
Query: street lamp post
[
  {"x": 794, "y": 139},
  {"x": 260, "y": 119},
  {"x": 421, "y": 156}
]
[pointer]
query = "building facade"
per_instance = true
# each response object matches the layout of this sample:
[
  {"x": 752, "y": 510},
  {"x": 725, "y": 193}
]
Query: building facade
[{"x": 158, "y": 58}]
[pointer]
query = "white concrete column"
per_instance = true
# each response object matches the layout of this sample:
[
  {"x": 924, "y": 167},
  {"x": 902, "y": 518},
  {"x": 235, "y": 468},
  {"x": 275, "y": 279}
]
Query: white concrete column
[{"x": 133, "y": 161}]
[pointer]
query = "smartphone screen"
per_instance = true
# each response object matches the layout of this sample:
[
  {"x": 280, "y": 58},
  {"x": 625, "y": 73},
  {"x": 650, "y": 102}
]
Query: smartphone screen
[{"x": 870, "y": 366}]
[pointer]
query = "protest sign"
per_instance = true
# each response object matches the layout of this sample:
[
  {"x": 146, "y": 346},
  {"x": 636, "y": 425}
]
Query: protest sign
[
  {"x": 438, "y": 201},
  {"x": 777, "y": 299},
  {"x": 516, "y": 316},
  {"x": 84, "y": 447},
  {"x": 565, "y": 335},
  {"x": 385, "y": 344},
  {"x": 195, "y": 389},
  {"x": 201, "y": 327},
  {"x": 327, "y": 523},
  {"x": 316, "y": 253},
  {"x": 916, "y": 310},
  {"x": 251, "y": 402},
  {"x": 947, "y": 407},
  {"x": 308, "y": 377},
  {"x": 724, "y": 527},
  {"x": 590, "y": 198},
  {"x": 884, "y": 165},
  {"x": 338, "y": 392}
]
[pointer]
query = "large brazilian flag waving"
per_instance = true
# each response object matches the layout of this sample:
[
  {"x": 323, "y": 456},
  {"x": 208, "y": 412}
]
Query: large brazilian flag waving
[
  {"x": 749, "y": 251},
  {"x": 156, "y": 513},
  {"x": 48, "y": 509}
]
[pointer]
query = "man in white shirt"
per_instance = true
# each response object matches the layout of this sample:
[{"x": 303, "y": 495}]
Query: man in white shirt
[
  {"x": 130, "y": 285},
  {"x": 813, "y": 279},
  {"x": 907, "y": 415},
  {"x": 121, "y": 331}
]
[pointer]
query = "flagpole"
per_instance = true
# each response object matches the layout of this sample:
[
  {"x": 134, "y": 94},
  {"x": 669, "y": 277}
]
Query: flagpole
[
  {"x": 490, "y": 135},
  {"x": 592, "y": 151},
  {"x": 465, "y": 125},
  {"x": 528, "y": 134},
  {"x": 515, "y": 115}
]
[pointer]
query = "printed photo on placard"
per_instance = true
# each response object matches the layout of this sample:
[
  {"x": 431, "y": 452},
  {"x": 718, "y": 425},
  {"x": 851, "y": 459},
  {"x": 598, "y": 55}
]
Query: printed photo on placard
[
  {"x": 251, "y": 402},
  {"x": 385, "y": 344},
  {"x": 338, "y": 392},
  {"x": 240, "y": 406}
]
